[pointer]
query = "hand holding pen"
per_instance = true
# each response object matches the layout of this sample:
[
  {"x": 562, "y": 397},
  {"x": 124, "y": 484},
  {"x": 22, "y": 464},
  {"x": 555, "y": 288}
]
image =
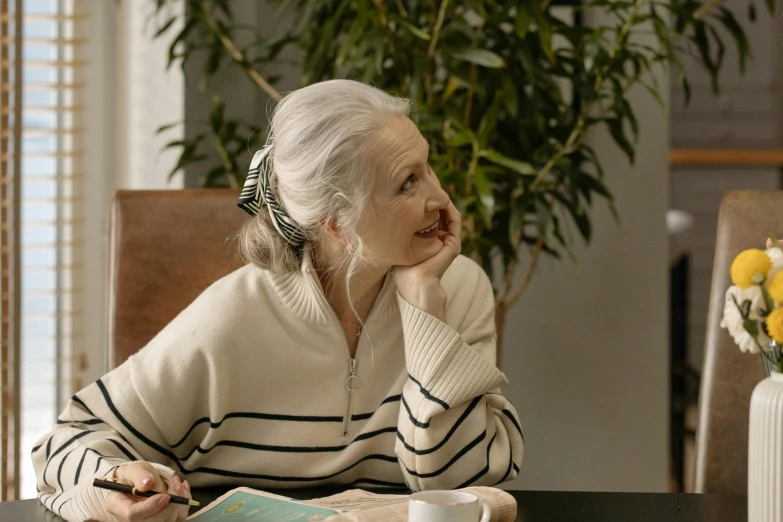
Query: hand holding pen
[{"x": 141, "y": 479}]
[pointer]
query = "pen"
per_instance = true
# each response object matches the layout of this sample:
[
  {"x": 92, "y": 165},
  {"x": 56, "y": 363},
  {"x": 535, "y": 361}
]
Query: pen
[{"x": 114, "y": 485}]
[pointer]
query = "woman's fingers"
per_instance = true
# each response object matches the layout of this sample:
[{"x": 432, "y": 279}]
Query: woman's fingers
[
  {"x": 142, "y": 475},
  {"x": 135, "y": 509}
]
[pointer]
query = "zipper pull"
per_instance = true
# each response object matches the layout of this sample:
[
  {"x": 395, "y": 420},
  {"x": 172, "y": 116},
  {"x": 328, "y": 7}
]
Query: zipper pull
[{"x": 352, "y": 382}]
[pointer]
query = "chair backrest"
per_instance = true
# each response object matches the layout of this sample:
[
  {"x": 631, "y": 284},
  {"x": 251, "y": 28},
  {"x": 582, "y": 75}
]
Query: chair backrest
[
  {"x": 166, "y": 247},
  {"x": 729, "y": 376}
]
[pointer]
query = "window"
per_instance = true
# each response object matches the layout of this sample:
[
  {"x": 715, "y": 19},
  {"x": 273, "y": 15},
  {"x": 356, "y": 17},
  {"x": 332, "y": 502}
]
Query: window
[{"x": 51, "y": 226}]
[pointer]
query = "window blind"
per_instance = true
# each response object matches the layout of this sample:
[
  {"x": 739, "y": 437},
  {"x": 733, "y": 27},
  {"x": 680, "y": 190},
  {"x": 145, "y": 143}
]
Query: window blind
[{"x": 41, "y": 183}]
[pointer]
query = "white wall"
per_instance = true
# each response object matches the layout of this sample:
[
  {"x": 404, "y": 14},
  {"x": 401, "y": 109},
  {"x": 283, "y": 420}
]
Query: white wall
[
  {"x": 147, "y": 96},
  {"x": 586, "y": 349}
]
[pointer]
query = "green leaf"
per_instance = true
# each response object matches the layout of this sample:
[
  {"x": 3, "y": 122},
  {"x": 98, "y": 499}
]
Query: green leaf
[
  {"x": 452, "y": 85},
  {"x": 165, "y": 27},
  {"x": 516, "y": 221},
  {"x": 523, "y": 19},
  {"x": 164, "y": 128},
  {"x": 479, "y": 57},
  {"x": 655, "y": 94},
  {"x": 545, "y": 222},
  {"x": 544, "y": 34},
  {"x": 752, "y": 12},
  {"x": 488, "y": 122},
  {"x": 415, "y": 31},
  {"x": 734, "y": 28},
  {"x": 461, "y": 138},
  {"x": 486, "y": 196},
  {"x": 617, "y": 132},
  {"x": 520, "y": 167}
]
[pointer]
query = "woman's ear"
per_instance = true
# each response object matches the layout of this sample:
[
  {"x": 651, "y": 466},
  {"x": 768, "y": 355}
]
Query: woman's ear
[{"x": 332, "y": 230}]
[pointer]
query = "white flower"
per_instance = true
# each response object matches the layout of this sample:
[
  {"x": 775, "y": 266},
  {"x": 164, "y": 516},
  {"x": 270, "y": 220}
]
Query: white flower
[
  {"x": 732, "y": 318},
  {"x": 776, "y": 255}
]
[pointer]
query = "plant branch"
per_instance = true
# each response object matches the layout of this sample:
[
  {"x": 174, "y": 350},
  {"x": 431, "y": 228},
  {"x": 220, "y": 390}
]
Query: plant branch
[
  {"x": 401, "y": 8},
  {"x": 536, "y": 255},
  {"x": 381, "y": 12},
  {"x": 438, "y": 24},
  {"x": 236, "y": 54},
  {"x": 705, "y": 9}
]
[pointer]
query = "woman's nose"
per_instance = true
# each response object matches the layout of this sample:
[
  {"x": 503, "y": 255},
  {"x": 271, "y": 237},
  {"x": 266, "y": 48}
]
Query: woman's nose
[{"x": 437, "y": 198}]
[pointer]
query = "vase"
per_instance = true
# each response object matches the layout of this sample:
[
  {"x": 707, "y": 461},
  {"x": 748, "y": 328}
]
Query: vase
[{"x": 765, "y": 451}]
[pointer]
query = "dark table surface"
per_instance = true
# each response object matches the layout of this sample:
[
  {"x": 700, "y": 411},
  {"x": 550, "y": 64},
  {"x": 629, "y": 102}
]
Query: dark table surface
[{"x": 533, "y": 506}]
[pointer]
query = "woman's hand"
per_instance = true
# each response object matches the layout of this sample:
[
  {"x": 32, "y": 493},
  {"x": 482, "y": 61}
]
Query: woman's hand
[
  {"x": 153, "y": 509},
  {"x": 420, "y": 284}
]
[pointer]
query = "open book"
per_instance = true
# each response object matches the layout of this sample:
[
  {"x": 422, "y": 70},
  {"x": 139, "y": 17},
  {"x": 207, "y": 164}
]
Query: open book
[{"x": 356, "y": 505}]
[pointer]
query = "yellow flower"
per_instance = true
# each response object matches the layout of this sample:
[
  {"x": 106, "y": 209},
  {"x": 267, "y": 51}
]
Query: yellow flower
[
  {"x": 775, "y": 324},
  {"x": 775, "y": 287},
  {"x": 748, "y": 264}
]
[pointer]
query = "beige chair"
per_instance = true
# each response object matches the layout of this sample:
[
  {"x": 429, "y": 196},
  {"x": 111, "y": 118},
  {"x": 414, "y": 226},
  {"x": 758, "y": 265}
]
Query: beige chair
[
  {"x": 167, "y": 246},
  {"x": 729, "y": 376}
]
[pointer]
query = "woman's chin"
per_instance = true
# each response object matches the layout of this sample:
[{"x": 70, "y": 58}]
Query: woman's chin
[{"x": 425, "y": 249}]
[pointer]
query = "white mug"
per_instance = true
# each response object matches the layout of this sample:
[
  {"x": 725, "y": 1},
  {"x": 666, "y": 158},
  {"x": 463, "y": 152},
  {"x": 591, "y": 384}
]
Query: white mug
[{"x": 445, "y": 506}]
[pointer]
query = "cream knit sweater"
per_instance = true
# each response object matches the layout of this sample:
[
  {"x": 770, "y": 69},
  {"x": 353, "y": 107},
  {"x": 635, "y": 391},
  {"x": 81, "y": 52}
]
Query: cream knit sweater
[{"x": 250, "y": 385}]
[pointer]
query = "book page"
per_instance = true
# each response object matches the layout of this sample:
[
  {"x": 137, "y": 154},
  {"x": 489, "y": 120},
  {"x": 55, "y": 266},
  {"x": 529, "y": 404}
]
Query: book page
[
  {"x": 501, "y": 504},
  {"x": 356, "y": 505},
  {"x": 363, "y": 506},
  {"x": 250, "y": 505}
]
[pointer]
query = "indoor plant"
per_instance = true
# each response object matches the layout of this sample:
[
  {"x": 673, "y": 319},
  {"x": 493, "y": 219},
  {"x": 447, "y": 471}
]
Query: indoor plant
[{"x": 506, "y": 93}]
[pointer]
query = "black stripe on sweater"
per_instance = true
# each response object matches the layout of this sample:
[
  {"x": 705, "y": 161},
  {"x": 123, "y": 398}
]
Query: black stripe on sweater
[
  {"x": 49, "y": 447},
  {"x": 412, "y": 418},
  {"x": 36, "y": 448},
  {"x": 510, "y": 462},
  {"x": 516, "y": 468},
  {"x": 60, "y": 470},
  {"x": 481, "y": 473},
  {"x": 77, "y": 400},
  {"x": 136, "y": 433},
  {"x": 376, "y": 482},
  {"x": 61, "y": 448},
  {"x": 513, "y": 420},
  {"x": 223, "y": 472},
  {"x": 472, "y": 444},
  {"x": 79, "y": 468},
  {"x": 288, "y": 449},
  {"x": 88, "y": 422},
  {"x": 427, "y": 394},
  {"x": 451, "y": 432},
  {"x": 280, "y": 417},
  {"x": 277, "y": 478},
  {"x": 123, "y": 449}
]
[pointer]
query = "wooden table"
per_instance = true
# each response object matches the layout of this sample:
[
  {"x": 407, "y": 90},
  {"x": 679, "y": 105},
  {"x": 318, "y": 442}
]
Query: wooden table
[{"x": 534, "y": 506}]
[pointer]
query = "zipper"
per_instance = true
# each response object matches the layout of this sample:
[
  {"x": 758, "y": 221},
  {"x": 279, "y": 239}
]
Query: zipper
[{"x": 352, "y": 382}]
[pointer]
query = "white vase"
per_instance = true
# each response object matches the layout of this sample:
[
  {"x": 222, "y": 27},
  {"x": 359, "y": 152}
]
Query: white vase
[{"x": 765, "y": 451}]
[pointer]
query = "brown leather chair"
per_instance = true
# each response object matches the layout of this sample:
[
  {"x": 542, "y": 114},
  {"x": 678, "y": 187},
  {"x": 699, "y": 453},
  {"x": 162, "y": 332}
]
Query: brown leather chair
[
  {"x": 166, "y": 247},
  {"x": 729, "y": 375}
]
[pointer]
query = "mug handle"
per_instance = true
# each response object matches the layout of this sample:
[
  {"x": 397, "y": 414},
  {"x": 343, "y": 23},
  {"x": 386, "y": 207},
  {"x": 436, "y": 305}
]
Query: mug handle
[{"x": 487, "y": 513}]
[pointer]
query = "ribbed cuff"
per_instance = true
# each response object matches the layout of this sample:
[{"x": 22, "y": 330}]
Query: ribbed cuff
[{"x": 445, "y": 366}]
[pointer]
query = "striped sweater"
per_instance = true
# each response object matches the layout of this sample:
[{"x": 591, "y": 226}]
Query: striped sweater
[{"x": 254, "y": 384}]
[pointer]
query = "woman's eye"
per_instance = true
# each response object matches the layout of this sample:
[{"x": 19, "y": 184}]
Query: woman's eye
[{"x": 408, "y": 183}]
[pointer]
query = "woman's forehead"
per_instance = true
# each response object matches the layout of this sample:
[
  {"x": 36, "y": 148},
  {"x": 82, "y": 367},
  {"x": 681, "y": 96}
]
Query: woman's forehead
[{"x": 400, "y": 142}]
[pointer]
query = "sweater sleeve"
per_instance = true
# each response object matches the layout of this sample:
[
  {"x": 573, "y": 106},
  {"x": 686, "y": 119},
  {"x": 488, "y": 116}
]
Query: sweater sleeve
[
  {"x": 138, "y": 411},
  {"x": 97, "y": 432},
  {"x": 455, "y": 429}
]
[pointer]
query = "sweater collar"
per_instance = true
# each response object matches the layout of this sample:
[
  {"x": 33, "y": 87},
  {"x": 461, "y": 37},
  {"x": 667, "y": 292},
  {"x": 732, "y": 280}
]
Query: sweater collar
[{"x": 301, "y": 293}]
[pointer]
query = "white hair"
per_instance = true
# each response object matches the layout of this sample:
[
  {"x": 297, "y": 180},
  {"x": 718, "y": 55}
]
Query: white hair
[{"x": 322, "y": 172}]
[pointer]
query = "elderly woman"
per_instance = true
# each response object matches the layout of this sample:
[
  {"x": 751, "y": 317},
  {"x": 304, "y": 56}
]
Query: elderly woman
[{"x": 356, "y": 347}]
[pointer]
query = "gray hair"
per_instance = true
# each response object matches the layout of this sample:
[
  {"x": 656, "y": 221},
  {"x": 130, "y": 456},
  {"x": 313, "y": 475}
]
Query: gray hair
[{"x": 321, "y": 138}]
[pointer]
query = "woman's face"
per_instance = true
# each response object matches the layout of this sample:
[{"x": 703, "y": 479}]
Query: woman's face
[{"x": 406, "y": 200}]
